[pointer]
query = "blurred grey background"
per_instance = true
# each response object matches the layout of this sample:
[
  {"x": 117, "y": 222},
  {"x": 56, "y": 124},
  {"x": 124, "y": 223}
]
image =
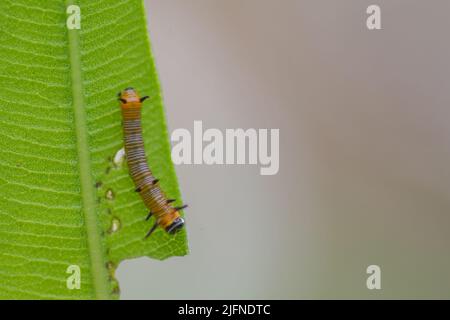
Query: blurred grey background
[{"x": 364, "y": 149}]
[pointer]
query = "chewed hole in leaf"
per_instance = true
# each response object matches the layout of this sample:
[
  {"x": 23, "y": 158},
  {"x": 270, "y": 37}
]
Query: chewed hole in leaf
[
  {"x": 119, "y": 157},
  {"x": 109, "y": 195},
  {"x": 115, "y": 225}
]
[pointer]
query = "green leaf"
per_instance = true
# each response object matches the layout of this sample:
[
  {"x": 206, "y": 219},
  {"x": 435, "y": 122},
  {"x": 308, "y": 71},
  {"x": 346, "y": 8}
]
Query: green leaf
[{"x": 63, "y": 199}]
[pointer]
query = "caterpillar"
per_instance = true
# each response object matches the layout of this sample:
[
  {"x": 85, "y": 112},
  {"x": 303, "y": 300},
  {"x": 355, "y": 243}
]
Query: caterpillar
[{"x": 166, "y": 216}]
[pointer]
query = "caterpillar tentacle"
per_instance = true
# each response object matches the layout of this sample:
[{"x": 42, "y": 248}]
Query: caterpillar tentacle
[
  {"x": 151, "y": 230},
  {"x": 181, "y": 207}
]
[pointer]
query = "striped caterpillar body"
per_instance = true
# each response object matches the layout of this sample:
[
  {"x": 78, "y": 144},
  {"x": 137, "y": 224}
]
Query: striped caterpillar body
[{"x": 167, "y": 216}]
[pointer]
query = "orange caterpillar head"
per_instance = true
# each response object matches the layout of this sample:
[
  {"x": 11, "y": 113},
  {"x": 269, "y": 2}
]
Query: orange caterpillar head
[
  {"x": 176, "y": 226},
  {"x": 130, "y": 98},
  {"x": 172, "y": 222}
]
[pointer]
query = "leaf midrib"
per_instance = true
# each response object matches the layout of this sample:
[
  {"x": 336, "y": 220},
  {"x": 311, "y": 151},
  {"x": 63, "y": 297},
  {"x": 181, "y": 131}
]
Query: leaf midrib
[{"x": 98, "y": 269}]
